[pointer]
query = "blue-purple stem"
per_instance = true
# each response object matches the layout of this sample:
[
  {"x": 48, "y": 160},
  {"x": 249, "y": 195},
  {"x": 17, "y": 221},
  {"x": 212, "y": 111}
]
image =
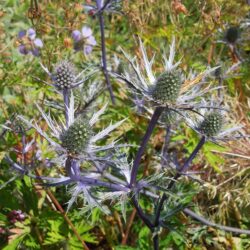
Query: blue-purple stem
[
  {"x": 166, "y": 144},
  {"x": 212, "y": 224},
  {"x": 72, "y": 167},
  {"x": 66, "y": 105},
  {"x": 143, "y": 145},
  {"x": 135, "y": 167},
  {"x": 100, "y": 7},
  {"x": 104, "y": 57},
  {"x": 193, "y": 155},
  {"x": 141, "y": 214},
  {"x": 69, "y": 162},
  {"x": 172, "y": 182},
  {"x": 95, "y": 182}
]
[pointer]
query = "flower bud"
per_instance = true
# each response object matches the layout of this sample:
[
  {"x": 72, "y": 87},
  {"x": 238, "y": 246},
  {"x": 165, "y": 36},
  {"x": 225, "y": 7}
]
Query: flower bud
[
  {"x": 64, "y": 75},
  {"x": 76, "y": 138},
  {"x": 232, "y": 34},
  {"x": 212, "y": 124},
  {"x": 167, "y": 87},
  {"x": 67, "y": 42}
]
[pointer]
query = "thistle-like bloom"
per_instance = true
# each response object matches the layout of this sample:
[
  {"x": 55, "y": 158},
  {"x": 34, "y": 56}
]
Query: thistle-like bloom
[
  {"x": 78, "y": 140},
  {"x": 84, "y": 40},
  {"x": 170, "y": 89},
  {"x": 230, "y": 36},
  {"x": 76, "y": 145},
  {"x": 29, "y": 43},
  {"x": 110, "y": 7},
  {"x": 77, "y": 136},
  {"x": 213, "y": 124},
  {"x": 65, "y": 76}
]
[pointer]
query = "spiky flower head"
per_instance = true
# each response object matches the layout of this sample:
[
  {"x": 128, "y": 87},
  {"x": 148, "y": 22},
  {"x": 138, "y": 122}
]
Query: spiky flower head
[
  {"x": 232, "y": 34},
  {"x": 64, "y": 75},
  {"x": 167, "y": 87},
  {"x": 212, "y": 124},
  {"x": 76, "y": 138}
]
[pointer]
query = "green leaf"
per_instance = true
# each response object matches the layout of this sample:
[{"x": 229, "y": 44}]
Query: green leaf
[
  {"x": 31, "y": 243},
  {"x": 3, "y": 219},
  {"x": 213, "y": 159},
  {"x": 13, "y": 245},
  {"x": 125, "y": 248}
]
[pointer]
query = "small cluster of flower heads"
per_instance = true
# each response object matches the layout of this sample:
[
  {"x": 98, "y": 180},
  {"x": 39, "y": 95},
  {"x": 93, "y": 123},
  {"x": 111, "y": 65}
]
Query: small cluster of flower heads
[
  {"x": 84, "y": 40},
  {"x": 29, "y": 43}
]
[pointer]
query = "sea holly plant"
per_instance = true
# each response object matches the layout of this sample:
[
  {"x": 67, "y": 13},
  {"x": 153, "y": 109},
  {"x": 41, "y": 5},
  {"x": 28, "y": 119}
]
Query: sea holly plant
[
  {"x": 74, "y": 139},
  {"x": 101, "y": 172},
  {"x": 169, "y": 95}
]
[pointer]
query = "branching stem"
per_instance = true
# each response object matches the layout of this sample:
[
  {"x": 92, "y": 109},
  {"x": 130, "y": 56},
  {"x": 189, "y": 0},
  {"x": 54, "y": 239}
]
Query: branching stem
[
  {"x": 143, "y": 145},
  {"x": 172, "y": 182},
  {"x": 104, "y": 57}
]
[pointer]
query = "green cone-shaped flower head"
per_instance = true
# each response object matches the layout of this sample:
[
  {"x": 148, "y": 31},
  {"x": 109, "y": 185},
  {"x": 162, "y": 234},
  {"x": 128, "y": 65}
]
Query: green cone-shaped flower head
[
  {"x": 167, "y": 87},
  {"x": 232, "y": 34},
  {"x": 212, "y": 124},
  {"x": 64, "y": 75},
  {"x": 76, "y": 138}
]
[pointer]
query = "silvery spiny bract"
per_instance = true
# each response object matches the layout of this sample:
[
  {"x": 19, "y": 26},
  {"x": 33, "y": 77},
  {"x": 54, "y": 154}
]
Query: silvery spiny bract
[
  {"x": 85, "y": 94},
  {"x": 169, "y": 117}
]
